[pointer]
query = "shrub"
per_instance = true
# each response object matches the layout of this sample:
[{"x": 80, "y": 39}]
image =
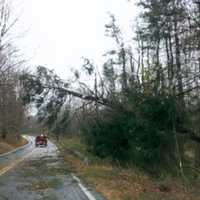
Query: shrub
[{"x": 141, "y": 135}]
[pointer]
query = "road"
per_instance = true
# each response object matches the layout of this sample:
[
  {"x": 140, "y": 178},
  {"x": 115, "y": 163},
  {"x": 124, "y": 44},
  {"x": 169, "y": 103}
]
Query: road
[{"x": 40, "y": 174}]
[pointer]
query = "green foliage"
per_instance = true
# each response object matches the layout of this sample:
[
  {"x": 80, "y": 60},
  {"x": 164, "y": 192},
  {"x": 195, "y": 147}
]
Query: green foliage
[
  {"x": 88, "y": 66},
  {"x": 109, "y": 136},
  {"x": 61, "y": 123},
  {"x": 109, "y": 74},
  {"x": 129, "y": 115},
  {"x": 47, "y": 92},
  {"x": 141, "y": 134}
]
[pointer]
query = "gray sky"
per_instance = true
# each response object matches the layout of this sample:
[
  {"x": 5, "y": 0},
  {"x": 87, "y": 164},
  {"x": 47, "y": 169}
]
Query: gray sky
[{"x": 60, "y": 32}]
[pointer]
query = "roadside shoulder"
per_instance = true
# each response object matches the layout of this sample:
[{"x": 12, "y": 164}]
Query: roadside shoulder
[{"x": 22, "y": 146}]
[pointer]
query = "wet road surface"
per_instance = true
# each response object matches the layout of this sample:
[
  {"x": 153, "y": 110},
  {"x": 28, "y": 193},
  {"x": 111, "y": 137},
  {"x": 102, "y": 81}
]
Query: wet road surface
[{"x": 39, "y": 174}]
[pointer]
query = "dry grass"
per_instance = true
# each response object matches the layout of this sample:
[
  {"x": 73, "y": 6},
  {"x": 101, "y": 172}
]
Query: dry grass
[
  {"x": 123, "y": 184},
  {"x": 9, "y": 144}
]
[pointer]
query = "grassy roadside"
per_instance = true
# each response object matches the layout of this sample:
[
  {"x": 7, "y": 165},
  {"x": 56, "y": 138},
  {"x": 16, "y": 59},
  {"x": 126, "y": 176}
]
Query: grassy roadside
[
  {"x": 9, "y": 144},
  {"x": 117, "y": 183}
]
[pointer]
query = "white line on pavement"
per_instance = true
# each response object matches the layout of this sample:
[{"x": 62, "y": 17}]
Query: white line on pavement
[
  {"x": 6, "y": 169},
  {"x": 19, "y": 148},
  {"x": 83, "y": 188}
]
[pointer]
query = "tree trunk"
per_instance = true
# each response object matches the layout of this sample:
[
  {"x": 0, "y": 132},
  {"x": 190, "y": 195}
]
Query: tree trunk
[
  {"x": 178, "y": 62},
  {"x": 142, "y": 60},
  {"x": 124, "y": 75},
  {"x": 171, "y": 60},
  {"x": 197, "y": 155},
  {"x": 168, "y": 63}
]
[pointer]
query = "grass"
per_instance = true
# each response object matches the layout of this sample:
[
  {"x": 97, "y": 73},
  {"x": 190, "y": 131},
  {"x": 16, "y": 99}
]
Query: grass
[
  {"x": 117, "y": 183},
  {"x": 101, "y": 172},
  {"x": 72, "y": 143}
]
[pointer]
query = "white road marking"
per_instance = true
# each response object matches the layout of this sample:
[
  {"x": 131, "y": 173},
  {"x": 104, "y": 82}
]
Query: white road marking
[
  {"x": 13, "y": 165},
  {"x": 83, "y": 188}
]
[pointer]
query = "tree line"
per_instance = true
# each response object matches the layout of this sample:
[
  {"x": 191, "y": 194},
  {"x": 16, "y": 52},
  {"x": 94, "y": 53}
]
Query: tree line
[
  {"x": 12, "y": 111},
  {"x": 143, "y": 106}
]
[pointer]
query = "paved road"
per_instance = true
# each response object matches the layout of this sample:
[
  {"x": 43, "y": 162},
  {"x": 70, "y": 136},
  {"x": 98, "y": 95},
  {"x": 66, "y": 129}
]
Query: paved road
[{"x": 39, "y": 174}]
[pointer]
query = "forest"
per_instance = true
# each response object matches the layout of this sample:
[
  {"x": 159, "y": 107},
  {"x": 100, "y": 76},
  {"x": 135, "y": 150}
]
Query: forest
[
  {"x": 12, "y": 110},
  {"x": 141, "y": 108}
]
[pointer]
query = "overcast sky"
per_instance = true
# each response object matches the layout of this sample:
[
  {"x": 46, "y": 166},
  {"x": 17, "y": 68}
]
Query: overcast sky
[{"x": 57, "y": 33}]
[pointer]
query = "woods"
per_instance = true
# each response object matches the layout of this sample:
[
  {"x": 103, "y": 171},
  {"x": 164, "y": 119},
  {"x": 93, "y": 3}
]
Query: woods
[
  {"x": 11, "y": 108},
  {"x": 141, "y": 107}
]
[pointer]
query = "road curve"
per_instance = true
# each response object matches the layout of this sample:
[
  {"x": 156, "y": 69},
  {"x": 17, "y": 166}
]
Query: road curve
[
  {"x": 39, "y": 174},
  {"x": 8, "y": 159}
]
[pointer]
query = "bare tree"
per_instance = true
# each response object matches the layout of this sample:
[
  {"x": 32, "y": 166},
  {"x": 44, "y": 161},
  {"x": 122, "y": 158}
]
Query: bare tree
[{"x": 11, "y": 109}]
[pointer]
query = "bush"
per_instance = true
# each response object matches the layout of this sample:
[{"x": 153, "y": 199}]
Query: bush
[
  {"x": 109, "y": 137},
  {"x": 141, "y": 135}
]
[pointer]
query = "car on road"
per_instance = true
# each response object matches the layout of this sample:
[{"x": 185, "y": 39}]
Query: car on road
[{"x": 41, "y": 140}]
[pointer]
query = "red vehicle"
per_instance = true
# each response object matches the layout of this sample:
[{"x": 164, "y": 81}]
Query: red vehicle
[{"x": 41, "y": 140}]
